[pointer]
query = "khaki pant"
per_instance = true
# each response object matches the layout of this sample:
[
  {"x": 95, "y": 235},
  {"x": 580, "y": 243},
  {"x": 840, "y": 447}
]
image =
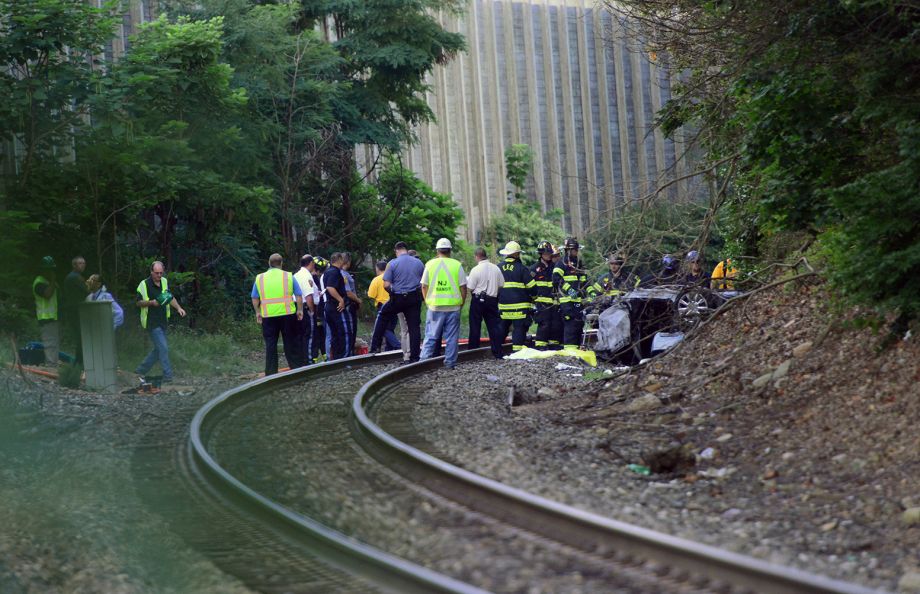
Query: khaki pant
[{"x": 51, "y": 338}]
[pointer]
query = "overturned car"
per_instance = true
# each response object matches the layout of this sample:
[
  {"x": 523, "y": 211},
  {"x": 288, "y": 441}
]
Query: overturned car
[{"x": 646, "y": 321}]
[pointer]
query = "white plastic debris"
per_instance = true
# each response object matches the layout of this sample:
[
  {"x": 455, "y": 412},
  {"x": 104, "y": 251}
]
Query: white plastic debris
[
  {"x": 708, "y": 454},
  {"x": 564, "y": 366}
]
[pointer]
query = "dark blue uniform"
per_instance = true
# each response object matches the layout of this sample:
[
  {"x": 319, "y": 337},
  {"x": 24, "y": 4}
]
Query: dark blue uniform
[{"x": 335, "y": 319}]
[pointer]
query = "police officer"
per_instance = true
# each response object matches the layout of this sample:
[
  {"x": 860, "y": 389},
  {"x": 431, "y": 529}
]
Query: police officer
[
  {"x": 515, "y": 298},
  {"x": 617, "y": 280},
  {"x": 278, "y": 303},
  {"x": 571, "y": 284},
  {"x": 547, "y": 314},
  {"x": 334, "y": 303},
  {"x": 306, "y": 326},
  {"x": 403, "y": 279},
  {"x": 318, "y": 349}
]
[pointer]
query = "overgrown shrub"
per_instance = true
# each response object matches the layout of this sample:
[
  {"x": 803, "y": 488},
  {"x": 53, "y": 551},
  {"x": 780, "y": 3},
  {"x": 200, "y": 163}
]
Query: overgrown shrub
[
  {"x": 643, "y": 232},
  {"x": 526, "y": 224},
  {"x": 70, "y": 375}
]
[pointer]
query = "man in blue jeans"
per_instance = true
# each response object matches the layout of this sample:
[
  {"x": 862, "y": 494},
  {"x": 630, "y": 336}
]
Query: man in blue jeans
[
  {"x": 156, "y": 302},
  {"x": 444, "y": 289}
]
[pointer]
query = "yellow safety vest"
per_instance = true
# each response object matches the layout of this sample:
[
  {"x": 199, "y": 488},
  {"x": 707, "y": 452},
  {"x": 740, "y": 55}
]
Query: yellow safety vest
[
  {"x": 443, "y": 283},
  {"x": 142, "y": 289},
  {"x": 276, "y": 293},
  {"x": 45, "y": 309}
]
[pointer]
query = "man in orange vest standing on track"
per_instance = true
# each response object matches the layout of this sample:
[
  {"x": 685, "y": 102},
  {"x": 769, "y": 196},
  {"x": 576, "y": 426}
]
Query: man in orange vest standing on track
[{"x": 278, "y": 302}]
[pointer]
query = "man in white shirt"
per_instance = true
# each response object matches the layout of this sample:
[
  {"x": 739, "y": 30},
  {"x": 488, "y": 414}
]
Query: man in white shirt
[
  {"x": 306, "y": 326},
  {"x": 483, "y": 283}
]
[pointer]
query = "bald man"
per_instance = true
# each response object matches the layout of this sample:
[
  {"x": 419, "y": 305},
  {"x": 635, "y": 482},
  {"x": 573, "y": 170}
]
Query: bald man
[{"x": 278, "y": 303}]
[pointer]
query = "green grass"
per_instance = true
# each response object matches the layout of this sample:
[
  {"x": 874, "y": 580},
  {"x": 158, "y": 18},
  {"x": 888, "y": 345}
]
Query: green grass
[{"x": 195, "y": 353}]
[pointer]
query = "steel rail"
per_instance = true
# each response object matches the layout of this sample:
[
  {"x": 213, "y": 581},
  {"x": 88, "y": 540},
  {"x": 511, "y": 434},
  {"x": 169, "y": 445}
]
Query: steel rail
[
  {"x": 564, "y": 523},
  {"x": 388, "y": 571}
]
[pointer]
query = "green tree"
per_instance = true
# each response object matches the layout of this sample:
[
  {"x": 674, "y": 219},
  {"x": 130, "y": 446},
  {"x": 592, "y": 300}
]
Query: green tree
[
  {"x": 387, "y": 48},
  {"x": 519, "y": 166},
  {"x": 162, "y": 158},
  {"x": 401, "y": 207},
  {"x": 48, "y": 50},
  {"x": 526, "y": 224},
  {"x": 289, "y": 74},
  {"x": 815, "y": 105}
]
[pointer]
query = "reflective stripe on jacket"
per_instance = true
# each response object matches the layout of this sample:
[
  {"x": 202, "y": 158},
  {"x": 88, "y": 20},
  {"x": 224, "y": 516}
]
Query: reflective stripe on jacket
[
  {"x": 616, "y": 285},
  {"x": 514, "y": 298},
  {"x": 276, "y": 293},
  {"x": 443, "y": 275},
  {"x": 571, "y": 282},
  {"x": 142, "y": 289},
  {"x": 45, "y": 309},
  {"x": 543, "y": 283}
]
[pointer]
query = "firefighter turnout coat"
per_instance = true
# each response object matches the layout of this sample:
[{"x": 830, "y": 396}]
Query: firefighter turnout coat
[{"x": 514, "y": 298}]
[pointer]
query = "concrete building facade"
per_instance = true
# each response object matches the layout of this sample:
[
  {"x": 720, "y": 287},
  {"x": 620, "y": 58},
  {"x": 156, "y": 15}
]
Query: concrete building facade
[{"x": 566, "y": 78}]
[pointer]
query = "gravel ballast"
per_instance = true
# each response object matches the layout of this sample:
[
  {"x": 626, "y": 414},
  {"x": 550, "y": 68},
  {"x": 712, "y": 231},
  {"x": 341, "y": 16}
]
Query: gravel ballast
[
  {"x": 780, "y": 431},
  {"x": 818, "y": 468}
]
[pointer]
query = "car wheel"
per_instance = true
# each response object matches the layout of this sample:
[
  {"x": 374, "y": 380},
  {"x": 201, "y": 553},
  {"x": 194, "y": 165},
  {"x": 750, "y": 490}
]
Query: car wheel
[{"x": 692, "y": 306}]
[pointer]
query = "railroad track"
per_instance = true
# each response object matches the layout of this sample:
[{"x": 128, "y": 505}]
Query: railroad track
[{"x": 614, "y": 556}]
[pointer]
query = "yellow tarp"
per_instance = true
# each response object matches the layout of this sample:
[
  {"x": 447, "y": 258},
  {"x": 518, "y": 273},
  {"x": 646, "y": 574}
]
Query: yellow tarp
[{"x": 587, "y": 356}]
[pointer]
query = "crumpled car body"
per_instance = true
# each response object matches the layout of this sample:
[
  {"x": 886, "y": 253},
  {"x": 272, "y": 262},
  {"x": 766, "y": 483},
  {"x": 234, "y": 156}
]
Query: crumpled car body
[{"x": 646, "y": 321}]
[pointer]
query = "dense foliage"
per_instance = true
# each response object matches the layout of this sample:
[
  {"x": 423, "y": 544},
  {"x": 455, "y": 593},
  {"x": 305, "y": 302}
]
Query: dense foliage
[
  {"x": 226, "y": 132},
  {"x": 814, "y": 109}
]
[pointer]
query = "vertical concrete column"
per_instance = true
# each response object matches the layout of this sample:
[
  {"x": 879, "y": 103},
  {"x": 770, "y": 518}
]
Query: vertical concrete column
[
  {"x": 608, "y": 200},
  {"x": 477, "y": 125},
  {"x": 514, "y": 95},
  {"x": 587, "y": 119},
  {"x": 554, "y": 160},
  {"x": 641, "y": 129},
  {"x": 98, "y": 341},
  {"x": 573, "y": 200},
  {"x": 655, "y": 91},
  {"x": 496, "y": 202},
  {"x": 533, "y": 105},
  {"x": 622, "y": 116}
]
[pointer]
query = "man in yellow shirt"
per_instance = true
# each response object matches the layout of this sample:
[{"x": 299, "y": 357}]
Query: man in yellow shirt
[{"x": 378, "y": 293}]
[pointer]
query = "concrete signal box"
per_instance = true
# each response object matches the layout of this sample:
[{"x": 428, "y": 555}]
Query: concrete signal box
[{"x": 99, "y": 359}]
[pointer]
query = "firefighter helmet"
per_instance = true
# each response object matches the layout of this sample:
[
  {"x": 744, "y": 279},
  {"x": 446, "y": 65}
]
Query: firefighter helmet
[
  {"x": 545, "y": 247},
  {"x": 669, "y": 262},
  {"x": 571, "y": 244}
]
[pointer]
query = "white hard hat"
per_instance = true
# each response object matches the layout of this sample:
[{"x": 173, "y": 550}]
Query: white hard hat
[
  {"x": 443, "y": 244},
  {"x": 512, "y": 247}
]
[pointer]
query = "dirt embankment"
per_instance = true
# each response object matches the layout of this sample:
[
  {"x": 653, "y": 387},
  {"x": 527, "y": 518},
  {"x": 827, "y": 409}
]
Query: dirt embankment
[
  {"x": 778, "y": 431},
  {"x": 812, "y": 429}
]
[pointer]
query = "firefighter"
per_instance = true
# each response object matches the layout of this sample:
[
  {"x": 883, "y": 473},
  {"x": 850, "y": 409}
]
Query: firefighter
[
  {"x": 617, "y": 280},
  {"x": 318, "y": 349},
  {"x": 515, "y": 297},
  {"x": 571, "y": 284},
  {"x": 556, "y": 330},
  {"x": 547, "y": 307}
]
